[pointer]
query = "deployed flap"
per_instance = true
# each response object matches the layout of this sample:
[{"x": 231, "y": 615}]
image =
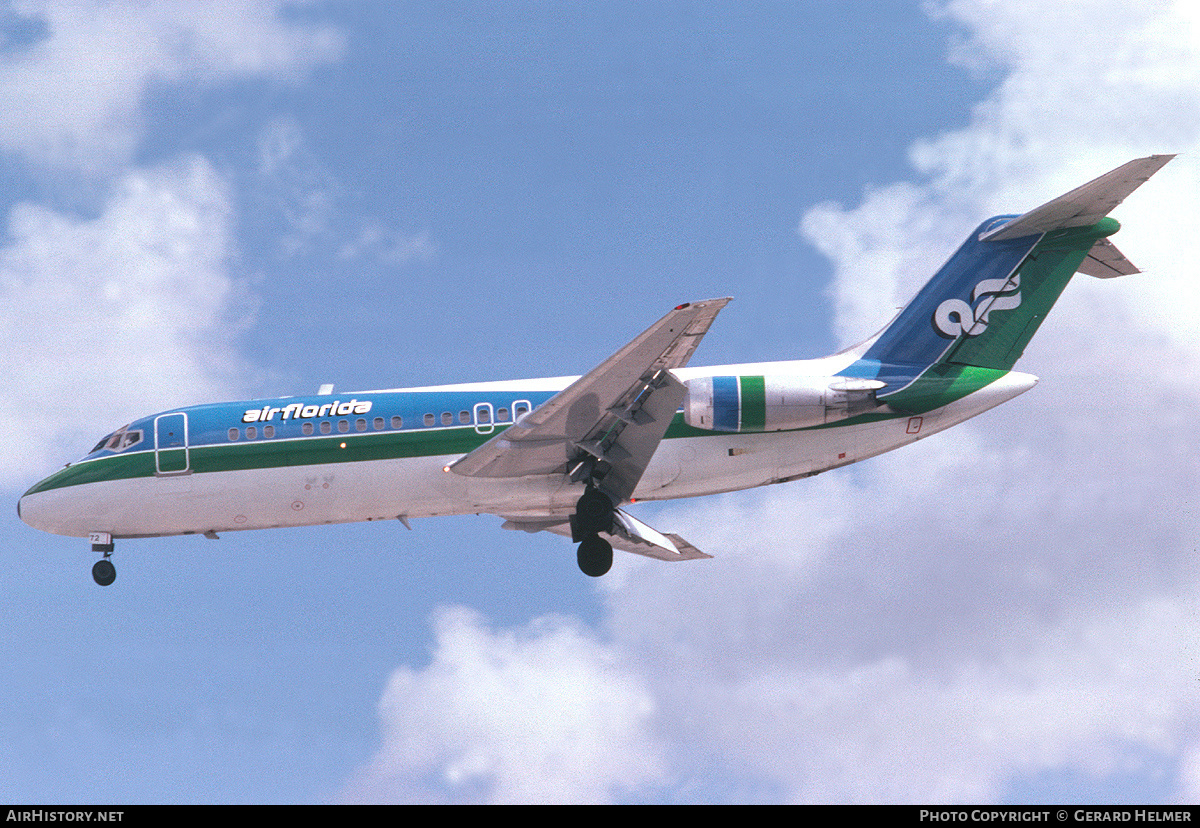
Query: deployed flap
[
  {"x": 1104, "y": 261},
  {"x": 632, "y": 535},
  {"x": 614, "y": 416},
  {"x": 629, "y": 535},
  {"x": 1084, "y": 205}
]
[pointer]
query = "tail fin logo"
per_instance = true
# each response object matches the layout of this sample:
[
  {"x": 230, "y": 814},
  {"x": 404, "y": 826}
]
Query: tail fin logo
[{"x": 954, "y": 317}]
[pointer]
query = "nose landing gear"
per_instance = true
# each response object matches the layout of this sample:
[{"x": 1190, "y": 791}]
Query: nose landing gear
[{"x": 103, "y": 573}]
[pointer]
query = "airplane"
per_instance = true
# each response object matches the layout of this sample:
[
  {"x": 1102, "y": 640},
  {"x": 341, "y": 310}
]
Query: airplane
[{"x": 568, "y": 454}]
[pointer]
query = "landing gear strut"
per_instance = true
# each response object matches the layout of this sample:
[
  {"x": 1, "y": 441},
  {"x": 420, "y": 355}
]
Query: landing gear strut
[
  {"x": 593, "y": 515},
  {"x": 103, "y": 573}
]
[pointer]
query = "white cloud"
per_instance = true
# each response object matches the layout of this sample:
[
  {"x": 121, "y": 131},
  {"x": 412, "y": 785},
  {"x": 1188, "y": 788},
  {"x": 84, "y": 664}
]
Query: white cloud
[
  {"x": 546, "y": 713},
  {"x": 134, "y": 309},
  {"x": 73, "y": 100},
  {"x": 296, "y": 183},
  {"x": 1048, "y": 572},
  {"x": 377, "y": 240},
  {"x": 881, "y": 261},
  {"x": 307, "y": 194},
  {"x": 115, "y": 316},
  {"x": 932, "y": 626}
]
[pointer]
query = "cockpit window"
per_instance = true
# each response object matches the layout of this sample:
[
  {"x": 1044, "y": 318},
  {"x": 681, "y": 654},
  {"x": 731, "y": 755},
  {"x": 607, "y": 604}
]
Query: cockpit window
[{"x": 119, "y": 440}]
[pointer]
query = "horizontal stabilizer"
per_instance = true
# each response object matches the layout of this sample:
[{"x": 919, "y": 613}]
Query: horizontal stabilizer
[
  {"x": 1084, "y": 205},
  {"x": 1104, "y": 261}
]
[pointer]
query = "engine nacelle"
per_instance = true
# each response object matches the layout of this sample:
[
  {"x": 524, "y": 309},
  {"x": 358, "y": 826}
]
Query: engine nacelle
[{"x": 776, "y": 403}]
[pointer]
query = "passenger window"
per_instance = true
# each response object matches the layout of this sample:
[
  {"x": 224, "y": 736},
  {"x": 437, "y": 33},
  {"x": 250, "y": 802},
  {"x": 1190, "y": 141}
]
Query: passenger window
[
  {"x": 343, "y": 426},
  {"x": 429, "y": 420},
  {"x": 360, "y": 424},
  {"x": 326, "y": 428},
  {"x": 520, "y": 410},
  {"x": 397, "y": 421},
  {"x": 234, "y": 434},
  {"x": 378, "y": 423},
  {"x": 269, "y": 431},
  {"x": 251, "y": 432},
  {"x": 447, "y": 418},
  {"x": 464, "y": 417},
  {"x": 485, "y": 415},
  {"x": 307, "y": 428},
  {"x": 501, "y": 415}
]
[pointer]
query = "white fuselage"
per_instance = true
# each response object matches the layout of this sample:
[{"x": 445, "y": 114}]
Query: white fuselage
[{"x": 414, "y": 487}]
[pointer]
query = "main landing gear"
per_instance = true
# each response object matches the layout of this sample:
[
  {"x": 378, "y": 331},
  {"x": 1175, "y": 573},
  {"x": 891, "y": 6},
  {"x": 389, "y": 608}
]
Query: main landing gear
[
  {"x": 103, "y": 573},
  {"x": 594, "y": 556},
  {"x": 593, "y": 515}
]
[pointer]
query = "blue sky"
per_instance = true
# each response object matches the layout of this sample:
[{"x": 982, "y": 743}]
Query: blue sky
[{"x": 212, "y": 201}]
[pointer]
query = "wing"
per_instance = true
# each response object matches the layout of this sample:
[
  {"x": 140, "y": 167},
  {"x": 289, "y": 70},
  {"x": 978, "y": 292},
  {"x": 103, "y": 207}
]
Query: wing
[{"x": 608, "y": 423}]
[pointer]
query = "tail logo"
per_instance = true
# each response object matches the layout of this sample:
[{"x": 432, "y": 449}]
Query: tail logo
[{"x": 954, "y": 317}]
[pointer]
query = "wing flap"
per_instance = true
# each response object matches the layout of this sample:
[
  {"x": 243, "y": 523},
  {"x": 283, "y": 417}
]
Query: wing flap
[{"x": 629, "y": 535}]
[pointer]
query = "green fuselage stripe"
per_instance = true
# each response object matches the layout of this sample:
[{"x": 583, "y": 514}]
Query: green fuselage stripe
[
  {"x": 939, "y": 386},
  {"x": 263, "y": 454}
]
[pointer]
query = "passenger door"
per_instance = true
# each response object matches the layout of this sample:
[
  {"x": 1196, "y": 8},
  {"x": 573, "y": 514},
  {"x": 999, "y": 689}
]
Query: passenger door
[{"x": 171, "y": 444}]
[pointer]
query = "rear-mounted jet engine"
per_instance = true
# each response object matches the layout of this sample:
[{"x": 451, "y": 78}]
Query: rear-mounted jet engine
[{"x": 776, "y": 403}]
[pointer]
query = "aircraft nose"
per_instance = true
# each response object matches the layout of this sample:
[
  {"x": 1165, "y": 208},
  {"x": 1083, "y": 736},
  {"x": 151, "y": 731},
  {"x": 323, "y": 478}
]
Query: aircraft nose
[
  {"x": 23, "y": 508},
  {"x": 26, "y": 512},
  {"x": 48, "y": 511}
]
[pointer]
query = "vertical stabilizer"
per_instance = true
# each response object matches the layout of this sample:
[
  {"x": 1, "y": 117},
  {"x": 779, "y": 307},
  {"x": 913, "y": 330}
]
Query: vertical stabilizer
[{"x": 985, "y": 304}]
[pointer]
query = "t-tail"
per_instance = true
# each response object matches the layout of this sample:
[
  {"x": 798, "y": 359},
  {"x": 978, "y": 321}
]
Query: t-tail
[{"x": 972, "y": 321}]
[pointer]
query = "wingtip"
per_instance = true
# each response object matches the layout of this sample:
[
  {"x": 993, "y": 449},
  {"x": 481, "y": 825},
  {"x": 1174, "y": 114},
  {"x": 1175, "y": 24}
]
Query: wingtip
[{"x": 720, "y": 300}]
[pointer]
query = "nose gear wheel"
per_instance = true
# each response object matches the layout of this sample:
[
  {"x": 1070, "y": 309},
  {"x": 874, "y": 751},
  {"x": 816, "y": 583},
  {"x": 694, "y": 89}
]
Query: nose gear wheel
[{"x": 104, "y": 573}]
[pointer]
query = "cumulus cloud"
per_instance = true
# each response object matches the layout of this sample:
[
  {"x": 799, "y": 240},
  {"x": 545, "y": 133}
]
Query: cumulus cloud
[
  {"x": 136, "y": 306},
  {"x": 386, "y": 244},
  {"x": 1012, "y": 599},
  {"x": 117, "y": 315},
  {"x": 296, "y": 183},
  {"x": 73, "y": 98},
  {"x": 309, "y": 197},
  {"x": 546, "y": 713},
  {"x": 1036, "y": 608}
]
